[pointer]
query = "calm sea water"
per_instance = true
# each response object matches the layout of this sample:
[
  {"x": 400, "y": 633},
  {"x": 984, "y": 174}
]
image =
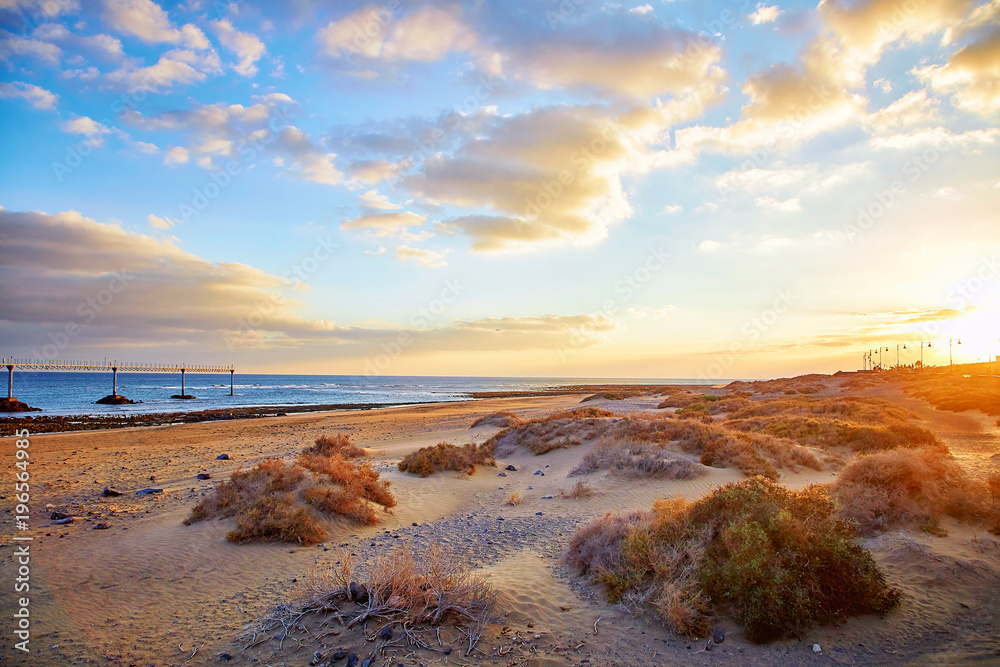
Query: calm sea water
[{"x": 75, "y": 393}]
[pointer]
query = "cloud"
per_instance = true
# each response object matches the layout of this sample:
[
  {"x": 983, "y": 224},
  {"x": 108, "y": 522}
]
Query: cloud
[
  {"x": 12, "y": 46},
  {"x": 372, "y": 32},
  {"x": 104, "y": 47},
  {"x": 87, "y": 127},
  {"x": 175, "y": 67},
  {"x": 912, "y": 109},
  {"x": 246, "y": 46},
  {"x": 141, "y": 18},
  {"x": 708, "y": 245},
  {"x": 671, "y": 209},
  {"x": 421, "y": 257},
  {"x": 971, "y": 76},
  {"x": 765, "y": 14},
  {"x": 787, "y": 206},
  {"x": 373, "y": 200},
  {"x": 393, "y": 223},
  {"x": 36, "y": 96},
  {"x": 176, "y": 155},
  {"x": 156, "y": 222}
]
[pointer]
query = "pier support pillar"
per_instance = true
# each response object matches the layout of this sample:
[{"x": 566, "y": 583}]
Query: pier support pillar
[
  {"x": 183, "y": 393},
  {"x": 231, "y": 372},
  {"x": 10, "y": 382},
  {"x": 114, "y": 380}
]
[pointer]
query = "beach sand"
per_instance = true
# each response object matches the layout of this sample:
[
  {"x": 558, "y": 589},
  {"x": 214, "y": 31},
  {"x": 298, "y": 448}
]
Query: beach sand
[{"x": 151, "y": 591}]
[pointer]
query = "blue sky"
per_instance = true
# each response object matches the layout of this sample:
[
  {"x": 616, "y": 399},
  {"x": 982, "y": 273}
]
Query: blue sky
[{"x": 671, "y": 189}]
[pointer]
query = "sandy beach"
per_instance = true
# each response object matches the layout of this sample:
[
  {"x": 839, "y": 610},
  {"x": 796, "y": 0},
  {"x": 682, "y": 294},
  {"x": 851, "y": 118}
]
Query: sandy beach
[{"x": 148, "y": 590}]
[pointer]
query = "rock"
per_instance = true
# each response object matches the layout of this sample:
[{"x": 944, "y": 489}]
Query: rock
[
  {"x": 14, "y": 405},
  {"x": 538, "y": 514},
  {"x": 61, "y": 522},
  {"x": 225, "y": 657},
  {"x": 511, "y": 468},
  {"x": 503, "y": 474},
  {"x": 539, "y": 472},
  {"x": 352, "y": 660},
  {"x": 718, "y": 635},
  {"x": 204, "y": 475},
  {"x": 55, "y": 516},
  {"x": 339, "y": 655},
  {"x": 102, "y": 526},
  {"x": 358, "y": 592},
  {"x": 547, "y": 497},
  {"x": 115, "y": 399},
  {"x": 367, "y": 662},
  {"x": 186, "y": 397},
  {"x": 108, "y": 492},
  {"x": 222, "y": 457},
  {"x": 817, "y": 649},
  {"x": 148, "y": 492},
  {"x": 386, "y": 633}
]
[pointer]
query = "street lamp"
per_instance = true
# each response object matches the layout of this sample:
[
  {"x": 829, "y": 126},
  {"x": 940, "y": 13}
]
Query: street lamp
[
  {"x": 922, "y": 343},
  {"x": 949, "y": 348},
  {"x": 897, "y": 354}
]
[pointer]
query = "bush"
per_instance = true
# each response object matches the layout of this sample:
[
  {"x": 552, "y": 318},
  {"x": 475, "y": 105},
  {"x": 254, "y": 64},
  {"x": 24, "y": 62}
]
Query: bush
[
  {"x": 274, "y": 501},
  {"x": 636, "y": 459},
  {"x": 605, "y": 396},
  {"x": 540, "y": 436},
  {"x": 444, "y": 456},
  {"x": 580, "y": 490},
  {"x": 896, "y": 489},
  {"x": 338, "y": 443},
  {"x": 957, "y": 393},
  {"x": 502, "y": 419},
  {"x": 777, "y": 560},
  {"x": 514, "y": 499}
]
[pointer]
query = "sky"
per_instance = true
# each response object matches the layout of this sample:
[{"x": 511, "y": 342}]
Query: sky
[{"x": 574, "y": 188}]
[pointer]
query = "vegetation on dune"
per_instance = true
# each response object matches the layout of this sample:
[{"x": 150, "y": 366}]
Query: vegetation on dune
[
  {"x": 502, "y": 419},
  {"x": 444, "y": 456},
  {"x": 907, "y": 489},
  {"x": 606, "y": 396},
  {"x": 632, "y": 458},
  {"x": 555, "y": 431},
  {"x": 338, "y": 443},
  {"x": 957, "y": 393},
  {"x": 277, "y": 501},
  {"x": 778, "y": 561}
]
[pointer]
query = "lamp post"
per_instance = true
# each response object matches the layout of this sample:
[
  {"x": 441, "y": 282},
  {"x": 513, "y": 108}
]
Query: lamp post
[
  {"x": 897, "y": 354},
  {"x": 922, "y": 343},
  {"x": 959, "y": 340}
]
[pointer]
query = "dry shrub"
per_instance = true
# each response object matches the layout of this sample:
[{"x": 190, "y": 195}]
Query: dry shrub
[
  {"x": 338, "y": 443},
  {"x": 503, "y": 419},
  {"x": 605, "y": 396},
  {"x": 539, "y": 436},
  {"x": 431, "y": 588},
  {"x": 577, "y": 413},
  {"x": 683, "y": 399},
  {"x": 896, "y": 489},
  {"x": 514, "y": 499},
  {"x": 274, "y": 501},
  {"x": 829, "y": 433},
  {"x": 444, "y": 456},
  {"x": 957, "y": 393},
  {"x": 580, "y": 490},
  {"x": 632, "y": 458},
  {"x": 737, "y": 453},
  {"x": 777, "y": 560}
]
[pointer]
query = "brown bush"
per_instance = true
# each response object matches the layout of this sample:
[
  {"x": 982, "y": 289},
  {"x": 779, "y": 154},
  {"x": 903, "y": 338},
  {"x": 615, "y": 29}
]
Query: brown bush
[
  {"x": 274, "y": 501},
  {"x": 502, "y": 419},
  {"x": 514, "y": 499},
  {"x": 540, "y": 436},
  {"x": 777, "y": 560},
  {"x": 894, "y": 489},
  {"x": 444, "y": 456},
  {"x": 957, "y": 393},
  {"x": 605, "y": 396},
  {"x": 338, "y": 443},
  {"x": 580, "y": 490},
  {"x": 632, "y": 458}
]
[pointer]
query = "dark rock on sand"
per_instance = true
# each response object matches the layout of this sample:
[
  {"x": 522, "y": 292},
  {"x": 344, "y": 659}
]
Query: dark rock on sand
[
  {"x": 718, "y": 635},
  {"x": 204, "y": 475},
  {"x": 108, "y": 492},
  {"x": 148, "y": 492},
  {"x": 56, "y": 516},
  {"x": 352, "y": 660},
  {"x": 102, "y": 526},
  {"x": 386, "y": 633},
  {"x": 339, "y": 655},
  {"x": 225, "y": 657},
  {"x": 222, "y": 457},
  {"x": 511, "y": 468},
  {"x": 358, "y": 592}
]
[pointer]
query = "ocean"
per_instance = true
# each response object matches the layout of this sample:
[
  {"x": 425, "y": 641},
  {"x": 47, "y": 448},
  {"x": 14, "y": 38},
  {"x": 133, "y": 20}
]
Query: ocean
[{"x": 75, "y": 393}]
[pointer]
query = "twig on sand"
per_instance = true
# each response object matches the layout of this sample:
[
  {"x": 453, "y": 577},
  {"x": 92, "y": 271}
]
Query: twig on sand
[
  {"x": 193, "y": 653},
  {"x": 596, "y": 622}
]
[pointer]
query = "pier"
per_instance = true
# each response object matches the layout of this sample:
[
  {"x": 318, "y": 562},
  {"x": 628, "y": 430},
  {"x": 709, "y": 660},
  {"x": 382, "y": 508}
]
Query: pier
[{"x": 112, "y": 367}]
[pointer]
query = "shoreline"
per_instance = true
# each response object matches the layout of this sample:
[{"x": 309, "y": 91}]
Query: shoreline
[{"x": 81, "y": 422}]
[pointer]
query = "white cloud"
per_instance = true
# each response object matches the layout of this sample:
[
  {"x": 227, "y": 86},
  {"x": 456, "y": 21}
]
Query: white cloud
[
  {"x": 421, "y": 257},
  {"x": 246, "y": 46},
  {"x": 12, "y": 46},
  {"x": 671, "y": 209},
  {"x": 83, "y": 125},
  {"x": 388, "y": 223},
  {"x": 36, "y": 96},
  {"x": 371, "y": 32},
  {"x": 156, "y": 222},
  {"x": 141, "y": 18},
  {"x": 642, "y": 10},
  {"x": 765, "y": 14},
  {"x": 176, "y": 155},
  {"x": 786, "y": 206},
  {"x": 708, "y": 245},
  {"x": 372, "y": 199}
]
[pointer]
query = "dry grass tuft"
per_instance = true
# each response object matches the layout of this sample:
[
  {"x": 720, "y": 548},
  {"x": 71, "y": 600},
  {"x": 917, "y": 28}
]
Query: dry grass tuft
[
  {"x": 274, "y": 501},
  {"x": 514, "y": 499},
  {"x": 395, "y": 587},
  {"x": 503, "y": 419},
  {"x": 633, "y": 458},
  {"x": 605, "y": 396},
  {"x": 579, "y": 491},
  {"x": 540, "y": 436},
  {"x": 338, "y": 443},
  {"x": 777, "y": 560},
  {"x": 957, "y": 393},
  {"x": 444, "y": 456}
]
